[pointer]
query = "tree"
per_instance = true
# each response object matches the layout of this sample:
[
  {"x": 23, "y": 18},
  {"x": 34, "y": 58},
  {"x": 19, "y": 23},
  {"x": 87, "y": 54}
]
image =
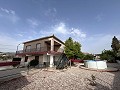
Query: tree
[
  {"x": 115, "y": 45},
  {"x": 108, "y": 55},
  {"x": 72, "y": 49},
  {"x": 77, "y": 49},
  {"x": 69, "y": 50},
  {"x": 88, "y": 57}
]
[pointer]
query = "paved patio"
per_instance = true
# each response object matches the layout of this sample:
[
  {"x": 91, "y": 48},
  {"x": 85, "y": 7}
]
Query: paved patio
[{"x": 73, "y": 78}]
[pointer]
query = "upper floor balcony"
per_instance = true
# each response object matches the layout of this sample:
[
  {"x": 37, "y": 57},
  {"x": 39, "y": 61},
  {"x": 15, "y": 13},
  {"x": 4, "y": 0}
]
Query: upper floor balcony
[{"x": 41, "y": 50}]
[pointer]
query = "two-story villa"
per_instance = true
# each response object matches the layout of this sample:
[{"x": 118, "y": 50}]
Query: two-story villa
[{"x": 45, "y": 49}]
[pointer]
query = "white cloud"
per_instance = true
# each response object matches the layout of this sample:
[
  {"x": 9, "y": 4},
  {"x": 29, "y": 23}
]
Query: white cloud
[
  {"x": 78, "y": 32},
  {"x": 9, "y": 14},
  {"x": 60, "y": 28},
  {"x": 33, "y": 22},
  {"x": 51, "y": 12},
  {"x": 64, "y": 32}
]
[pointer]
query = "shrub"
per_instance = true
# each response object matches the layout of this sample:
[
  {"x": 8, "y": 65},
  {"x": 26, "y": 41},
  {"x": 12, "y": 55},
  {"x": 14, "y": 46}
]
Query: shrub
[
  {"x": 34, "y": 62},
  {"x": 88, "y": 57}
]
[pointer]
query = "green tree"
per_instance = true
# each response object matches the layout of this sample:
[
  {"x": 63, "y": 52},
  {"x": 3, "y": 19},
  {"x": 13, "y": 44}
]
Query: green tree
[
  {"x": 108, "y": 55},
  {"x": 72, "y": 49},
  {"x": 77, "y": 49},
  {"x": 88, "y": 57},
  {"x": 115, "y": 45},
  {"x": 69, "y": 48}
]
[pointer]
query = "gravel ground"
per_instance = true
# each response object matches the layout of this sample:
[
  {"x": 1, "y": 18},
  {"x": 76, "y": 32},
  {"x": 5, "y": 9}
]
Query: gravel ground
[{"x": 70, "y": 79}]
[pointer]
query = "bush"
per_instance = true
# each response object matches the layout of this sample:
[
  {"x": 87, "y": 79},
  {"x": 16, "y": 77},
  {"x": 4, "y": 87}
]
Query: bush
[
  {"x": 88, "y": 57},
  {"x": 34, "y": 62},
  {"x": 108, "y": 55}
]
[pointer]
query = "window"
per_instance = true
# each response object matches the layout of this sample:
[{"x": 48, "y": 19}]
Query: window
[
  {"x": 28, "y": 48},
  {"x": 38, "y": 46}
]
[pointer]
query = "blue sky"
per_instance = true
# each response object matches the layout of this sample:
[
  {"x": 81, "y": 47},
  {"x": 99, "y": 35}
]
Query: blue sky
[{"x": 93, "y": 23}]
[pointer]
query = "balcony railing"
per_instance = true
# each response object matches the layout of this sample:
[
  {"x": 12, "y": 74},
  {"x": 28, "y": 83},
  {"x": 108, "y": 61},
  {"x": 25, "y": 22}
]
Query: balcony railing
[{"x": 42, "y": 49}]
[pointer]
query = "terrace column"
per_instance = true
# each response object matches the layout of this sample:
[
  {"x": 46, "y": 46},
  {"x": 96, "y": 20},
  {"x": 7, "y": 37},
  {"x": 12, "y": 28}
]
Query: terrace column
[
  {"x": 51, "y": 56},
  {"x": 52, "y": 45}
]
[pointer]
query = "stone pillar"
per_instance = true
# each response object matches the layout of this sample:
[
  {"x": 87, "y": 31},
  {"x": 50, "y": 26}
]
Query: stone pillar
[
  {"x": 51, "y": 61},
  {"x": 51, "y": 56}
]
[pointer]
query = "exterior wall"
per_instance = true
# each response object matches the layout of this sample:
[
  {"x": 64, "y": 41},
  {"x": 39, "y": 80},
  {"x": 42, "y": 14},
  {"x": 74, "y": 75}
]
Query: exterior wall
[
  {"x": 33, "y": 44},
  {"x": 40, "y": 58},
  {"x": 61, "y": 48},
  {"x": 30, "y": 58},
  {"x": 46, "y": 58},
  {"x": 22, "y": 63},
  {"x": 44, "y": 45}
]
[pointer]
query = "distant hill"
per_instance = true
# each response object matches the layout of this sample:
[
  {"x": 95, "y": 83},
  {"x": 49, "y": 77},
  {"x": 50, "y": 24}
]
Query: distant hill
[{"x": 6, "y": 55}]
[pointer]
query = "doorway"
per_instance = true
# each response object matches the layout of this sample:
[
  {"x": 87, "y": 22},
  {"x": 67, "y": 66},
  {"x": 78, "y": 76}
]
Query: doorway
[
  {"x": 26, "y": 58},
  {"x": 37, "y": 58}
]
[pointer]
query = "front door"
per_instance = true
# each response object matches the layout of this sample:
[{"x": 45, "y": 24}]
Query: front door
[
  {"x": 26, "y": 58},
  {"x": 37, "y": 58}
]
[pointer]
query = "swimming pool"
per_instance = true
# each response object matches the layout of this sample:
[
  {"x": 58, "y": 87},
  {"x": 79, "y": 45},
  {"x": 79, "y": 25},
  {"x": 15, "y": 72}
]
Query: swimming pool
[{"x": 95, "y": 64}]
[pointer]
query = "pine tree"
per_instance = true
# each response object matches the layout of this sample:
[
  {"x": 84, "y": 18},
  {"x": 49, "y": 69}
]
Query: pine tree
[{"x": 115, "y": 45}]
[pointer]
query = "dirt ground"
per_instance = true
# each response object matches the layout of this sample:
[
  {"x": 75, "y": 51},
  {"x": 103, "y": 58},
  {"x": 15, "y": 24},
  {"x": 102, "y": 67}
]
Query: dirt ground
[{"x": 73, "y": 78}]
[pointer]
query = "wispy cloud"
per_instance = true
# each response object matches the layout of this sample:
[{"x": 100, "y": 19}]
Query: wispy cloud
[
  {"x": 51, "y": 12},
  {"x": 63, "y": 31},
  {"x": 78, "y": 32},
  {"x": 9, "y": 14},
  {"x": 33, "y": 22},
  {"x": 21, "y": 35},
  {"x": 5, "y": 10},
  {"x": 99, "y": 17},
  {"x": 75, "y": 33}
]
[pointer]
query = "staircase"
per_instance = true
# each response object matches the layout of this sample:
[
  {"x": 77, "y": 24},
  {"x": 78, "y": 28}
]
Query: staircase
[{"x": 62, "y": 61}]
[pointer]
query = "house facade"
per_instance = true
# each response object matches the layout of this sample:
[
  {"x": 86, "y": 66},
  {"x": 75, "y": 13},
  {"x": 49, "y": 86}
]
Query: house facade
[{"x": 45, "y": 49}]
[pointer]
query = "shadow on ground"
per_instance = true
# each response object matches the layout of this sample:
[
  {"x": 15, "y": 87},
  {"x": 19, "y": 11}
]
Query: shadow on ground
[
  {"x": 116, "y": 81},
  {"x": 12, "y": 79},
  {"x": 14, "y": 84}
]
